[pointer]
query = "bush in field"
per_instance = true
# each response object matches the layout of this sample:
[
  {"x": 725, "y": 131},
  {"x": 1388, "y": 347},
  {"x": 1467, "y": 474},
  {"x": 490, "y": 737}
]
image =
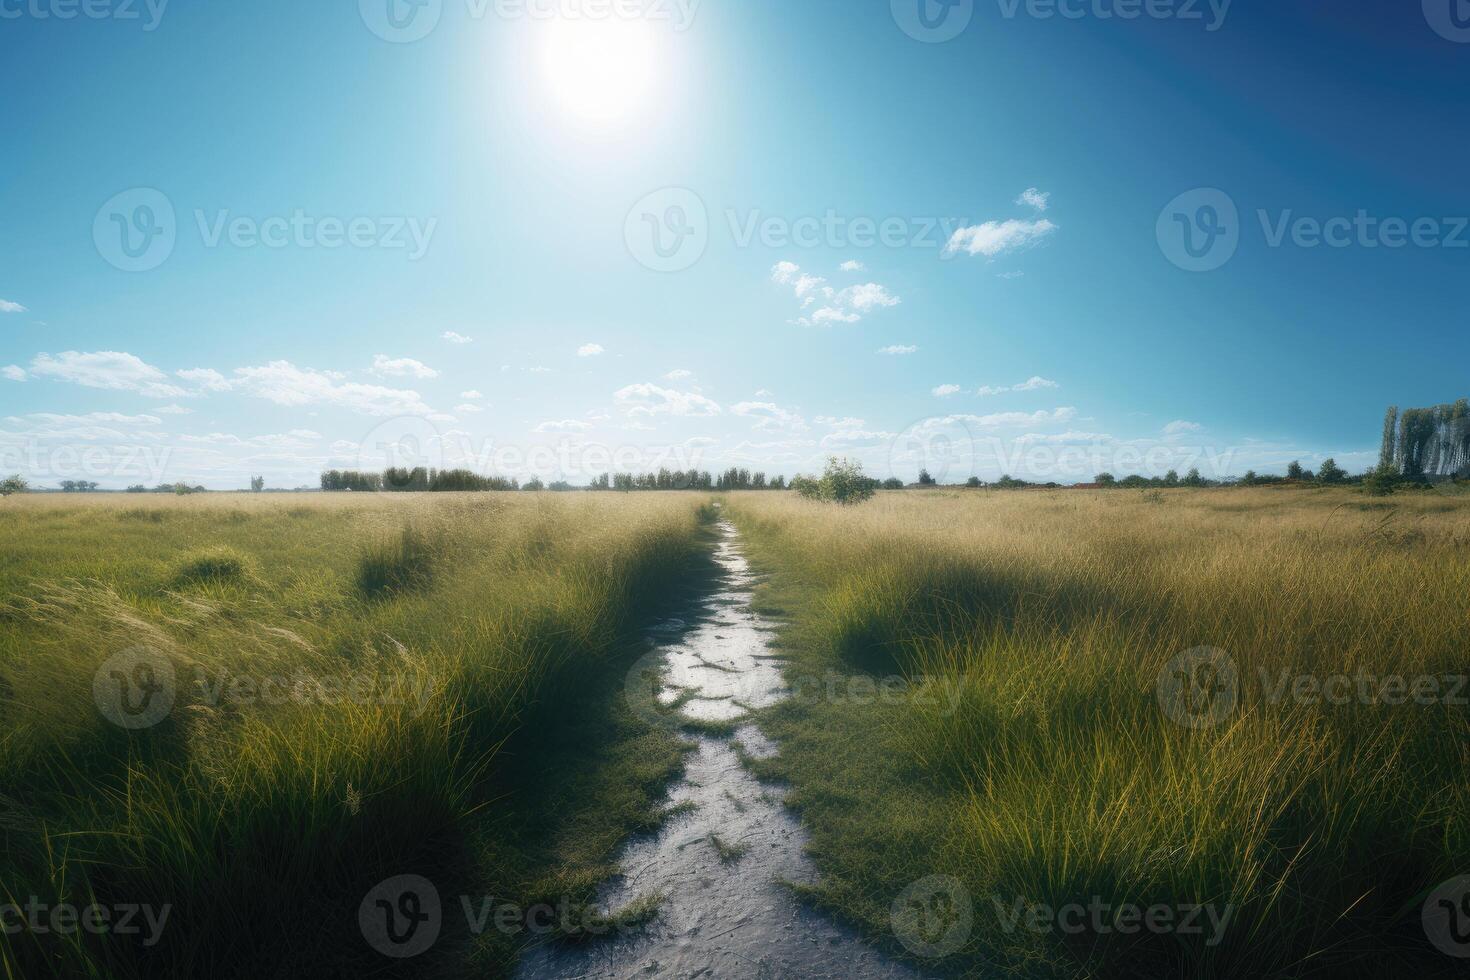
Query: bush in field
[
  {"x": 12, "y": 484},
  {"x": 842, "y": 482},
  {"x": 893, "y": 483},
  {"x": 395, "y": 564},
  {"x": 211, "y": 566}
]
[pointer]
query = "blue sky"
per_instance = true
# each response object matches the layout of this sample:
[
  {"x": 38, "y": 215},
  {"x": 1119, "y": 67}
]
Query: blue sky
[{"x": 828, "y": 180}]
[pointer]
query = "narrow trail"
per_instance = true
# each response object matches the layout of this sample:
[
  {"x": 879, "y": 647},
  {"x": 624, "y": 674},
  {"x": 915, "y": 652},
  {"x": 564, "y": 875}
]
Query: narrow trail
[{"x": 721, "y": 862}]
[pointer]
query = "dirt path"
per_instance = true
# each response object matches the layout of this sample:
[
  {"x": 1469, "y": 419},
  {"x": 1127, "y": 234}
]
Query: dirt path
[{"x": 721, "y": 861}]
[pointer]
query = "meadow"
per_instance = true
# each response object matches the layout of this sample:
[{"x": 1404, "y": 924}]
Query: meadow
[
  {"x": 331, "y": 691},
  {"x": 1021, "y": 720},
  {"x": 1238, "y": 705}
]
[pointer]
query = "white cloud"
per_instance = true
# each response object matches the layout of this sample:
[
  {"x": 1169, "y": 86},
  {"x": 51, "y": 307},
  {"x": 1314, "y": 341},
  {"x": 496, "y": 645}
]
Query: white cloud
[
  {"x": 856, "y": 436},
  {"x": 401, "y": 367},
  {"x": 650, "y": 399},
  {"x": 770, "y": 416},
  {"x": 589, "y": 350},
  {"x": 469, "y": 408},
  {"x": 110, "y": 370},
  {"x": 284, "y": 383},
  {"x": 1034, "y": 198},
  {"x": 206, "y": 378},
  {"x": 944, "y": 391},
  {"x": 999, "y": 237},
  {"x": 838, "y": 306},
  {"x": 841, "y": 423},
  {"x": 13, "y": 372},
  {"x": 175, "y": 410},
  {"x": 1009, "y": 275},
  {"x": 763, "y": 393},
  {"x": 893, "y": 349},
  {"x": 1180, "y": 426},
  {"x": 456, "y": 338},
  {"x": 471, "y": 396},
  {"x": 564, "y": 425},
  {"x": 6, "y": 306},
  {"x": 678, "y": 374},
  {"x": 1034, "y": 383},
  {"x": 853, "y": 265}
]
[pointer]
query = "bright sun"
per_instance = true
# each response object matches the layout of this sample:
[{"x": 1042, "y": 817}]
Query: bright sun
[{"x": 601, "y": 71}]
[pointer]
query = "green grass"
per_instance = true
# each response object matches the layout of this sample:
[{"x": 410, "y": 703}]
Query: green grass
[
  {"x": 1032, "y": 760},
  {"x": 365, "y": 687}
]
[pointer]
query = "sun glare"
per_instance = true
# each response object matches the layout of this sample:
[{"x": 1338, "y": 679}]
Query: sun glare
[{"x": 601, "y": 71}]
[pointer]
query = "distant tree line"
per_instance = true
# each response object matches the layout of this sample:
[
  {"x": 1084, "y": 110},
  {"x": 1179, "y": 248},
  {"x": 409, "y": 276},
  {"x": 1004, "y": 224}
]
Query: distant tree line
[{"x": 429, "y": 480}]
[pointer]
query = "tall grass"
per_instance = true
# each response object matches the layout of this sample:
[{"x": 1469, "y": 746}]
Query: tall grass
[
  {"x": 424, "y": 644},
  {"x": 1044, "y": 767}
]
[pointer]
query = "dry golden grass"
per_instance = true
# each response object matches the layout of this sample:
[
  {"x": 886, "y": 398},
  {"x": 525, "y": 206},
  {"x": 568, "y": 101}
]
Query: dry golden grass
[{"x": 1048, "y": 767}]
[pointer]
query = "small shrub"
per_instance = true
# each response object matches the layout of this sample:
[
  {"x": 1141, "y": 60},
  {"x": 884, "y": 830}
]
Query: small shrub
[
  {"x": 843, "y": 482},
  {"x": 395, "y": 564},
  {"x": 211, "y": 567}
]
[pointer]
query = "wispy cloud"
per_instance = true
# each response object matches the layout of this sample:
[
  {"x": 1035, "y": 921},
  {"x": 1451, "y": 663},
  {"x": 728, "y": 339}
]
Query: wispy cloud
[
  {"x": 847, "y": 305},
  {"x": 6, "y": 306},
  {"x": 563, "y": 425},
  {"x": 650, "y": 399},
  {"x": 853, "y": 265},
  {"x": 590, "y": 350},
  {"x": 1181, "y": 426},
  {"x": 1035, "y": 383},
  {"x": 472, "y": 396},
  {"x": 770, "y": 417},
  {"x": 456, "y": 338},
  {"x": 13, "y": 372},
  {"x": 206, "y": 378},
  {"x": 944, "y": 391},
  {"x": 1034, "y": 198},
  {"x": 999, "y": 237},
  {"x": 110, "y": 370},
  {"x": 678, "y": 374},
  {"x": 401, "y": 367},
  {"x": 286, "y": 384},
  {"x": 897, "y": 349}
]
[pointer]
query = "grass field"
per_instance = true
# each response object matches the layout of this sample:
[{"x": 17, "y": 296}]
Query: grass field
[
  {"x": 1304, "y": 782},
  {"x": 1020, "y": 721},
  {"x": 362, "y": 687}
]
